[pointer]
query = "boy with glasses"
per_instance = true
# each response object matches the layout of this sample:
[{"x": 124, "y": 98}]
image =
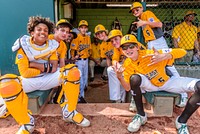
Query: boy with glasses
[
  {"x": 144, "y": 70},
  {"x": 153, "y": 34}
]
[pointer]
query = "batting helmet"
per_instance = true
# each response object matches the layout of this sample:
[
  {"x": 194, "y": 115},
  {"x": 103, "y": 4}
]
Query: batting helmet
[
  {"x": 114, "y": 33},
  {"x": 100, "y": 28},
  {"x": 135, "y": 5},
  {"x": 129, "y": 38},
  {"x": 64, "y": 21},
  {"x": 83, "y": 23}
]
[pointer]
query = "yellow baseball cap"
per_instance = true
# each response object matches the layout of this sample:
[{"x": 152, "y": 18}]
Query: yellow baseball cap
[
  {"x": 190, "y": 12},
  {"x": 129, "y": 38},
  {"x": 114, "y": 33},
  {"x": 135, "y": 5},
  {"x": 83, "y": 23},
  {"x": 64, "y": 21},
  {"x": 100, "y": 28}
]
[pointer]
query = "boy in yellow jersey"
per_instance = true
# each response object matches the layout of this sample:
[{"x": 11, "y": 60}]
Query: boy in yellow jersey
[
  {"x": 38, "y": 66},
  {"x": 94, "y": 58},
  {"x": 106, "y": 48},
  {"x": 144, "y": 70},
  {"x": 61, "y": 33},
  {"x": 185, "y": 36},
  {"x": 116, "y": 91},
  {"x": 81, "y": 50},
  {"x": 153, "y": 34}
]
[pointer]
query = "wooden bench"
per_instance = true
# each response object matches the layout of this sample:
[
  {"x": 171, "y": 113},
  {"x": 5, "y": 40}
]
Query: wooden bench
[
  {"x": 38, "y": 99},
  {"x": 162, "y": 102}
]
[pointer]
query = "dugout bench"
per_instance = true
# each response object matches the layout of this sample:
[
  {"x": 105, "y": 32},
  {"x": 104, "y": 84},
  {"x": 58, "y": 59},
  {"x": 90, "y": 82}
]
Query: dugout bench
[
  {"x": 161, "y": 102},
  {"x": 38, "y": 99}
]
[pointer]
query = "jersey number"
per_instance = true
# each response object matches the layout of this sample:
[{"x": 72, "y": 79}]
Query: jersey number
[{"x": 161, "y": 79}]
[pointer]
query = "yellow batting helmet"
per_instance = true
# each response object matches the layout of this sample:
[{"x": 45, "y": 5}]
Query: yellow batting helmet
[
  {"x": 83, "y": 23},
  {"x": 114, "y": 33},
  {"x": 129, "y": 38},
  {"x": 100, "y": 28},
  {"x": 135, "y": 5},
  {"x": 64, "y": 21}
]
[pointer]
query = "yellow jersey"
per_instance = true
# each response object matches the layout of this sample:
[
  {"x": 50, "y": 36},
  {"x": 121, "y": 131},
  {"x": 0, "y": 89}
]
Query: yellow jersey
[
  {"x": 118, "y": 55},
  {"x": 95, "y": 51},
  {"x": 150, "y": 33},
  {"x": 62, "y": 49},
  {"x": 185, "y": 35},
  {"x": 155, "y": 73},
  {"x": 105, "y": 47},
  {"x": 82, "y": 45},
  {"x": 22, "y": 61}
]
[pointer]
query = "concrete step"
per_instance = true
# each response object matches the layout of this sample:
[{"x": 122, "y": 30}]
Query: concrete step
[{"x": 94, "y": 109}]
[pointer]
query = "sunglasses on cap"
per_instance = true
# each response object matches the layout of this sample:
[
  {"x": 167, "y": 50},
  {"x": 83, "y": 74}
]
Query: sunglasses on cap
[{"x": 131, "y": 46}]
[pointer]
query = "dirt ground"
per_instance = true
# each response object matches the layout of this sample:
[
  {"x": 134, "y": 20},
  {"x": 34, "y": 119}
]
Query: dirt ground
[{"x": 98, "y": 92}]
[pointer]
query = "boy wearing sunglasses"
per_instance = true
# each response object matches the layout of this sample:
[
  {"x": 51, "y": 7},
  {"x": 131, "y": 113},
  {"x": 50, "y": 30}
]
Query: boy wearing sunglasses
[
  {"x": 144, "y": 70},
  {"x": 153, "y": 34}
]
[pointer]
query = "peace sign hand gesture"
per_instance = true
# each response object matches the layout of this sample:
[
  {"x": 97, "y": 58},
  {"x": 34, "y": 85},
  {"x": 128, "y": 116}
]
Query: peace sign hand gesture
[{"x": 119, "y": 69}]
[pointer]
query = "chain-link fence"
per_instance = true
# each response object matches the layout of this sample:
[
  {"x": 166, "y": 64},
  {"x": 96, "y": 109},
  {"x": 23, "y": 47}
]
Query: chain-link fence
[{"x": 181, "y": 25}]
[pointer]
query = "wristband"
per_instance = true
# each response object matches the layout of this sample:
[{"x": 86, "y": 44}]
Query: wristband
[
  {"x": 50, "y": 68},
  {"x": 45, "y": 67}
]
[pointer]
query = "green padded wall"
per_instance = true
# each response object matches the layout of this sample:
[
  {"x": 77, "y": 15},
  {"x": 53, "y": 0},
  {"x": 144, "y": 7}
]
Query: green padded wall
[{"x": 105, "y": 17}]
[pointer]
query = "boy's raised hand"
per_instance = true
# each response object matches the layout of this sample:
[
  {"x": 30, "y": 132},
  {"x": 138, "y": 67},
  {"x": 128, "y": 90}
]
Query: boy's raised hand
[{"x": 155, "y": 57}]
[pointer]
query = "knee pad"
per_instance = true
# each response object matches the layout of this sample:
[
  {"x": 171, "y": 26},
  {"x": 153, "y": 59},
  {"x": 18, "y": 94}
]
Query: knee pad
[
  {"x": 10, "y": 87},
  {"x": 14, "y": 97},
  {"x": 70, "y": 73},
  {"x": 135, "y": 80},
  {"x": 197, "y": 87}
]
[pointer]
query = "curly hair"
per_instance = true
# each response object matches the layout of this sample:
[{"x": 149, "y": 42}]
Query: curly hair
[{"x": 35, "y": 20}]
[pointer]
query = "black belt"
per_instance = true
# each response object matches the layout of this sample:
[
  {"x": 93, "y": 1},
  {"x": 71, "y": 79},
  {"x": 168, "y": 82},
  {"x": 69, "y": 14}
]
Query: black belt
[
  {"x": 82, "y": 59},
  {"x": 103, "y": 58},
  {"x": 190, "y": 50}
]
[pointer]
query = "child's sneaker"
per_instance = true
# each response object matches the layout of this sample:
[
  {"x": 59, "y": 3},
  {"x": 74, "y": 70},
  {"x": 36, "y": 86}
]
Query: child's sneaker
[
  {"x": 181, "y": 127},
  {"x": 137, "y": 121}
]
